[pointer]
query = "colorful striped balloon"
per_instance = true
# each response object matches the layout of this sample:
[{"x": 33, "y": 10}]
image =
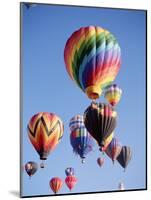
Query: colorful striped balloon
[
  {"x": 81, "y": 141},
  {"x": 92, "y": 57},
  {"x": 113, "y": 94},
  {"x": 45, "y": 131},
  {"x": 114, "y": 148},
  {"x": 56, "y": 184},
  {"x": 70, "y": 181},
  {"x": 100, "y": 120}
]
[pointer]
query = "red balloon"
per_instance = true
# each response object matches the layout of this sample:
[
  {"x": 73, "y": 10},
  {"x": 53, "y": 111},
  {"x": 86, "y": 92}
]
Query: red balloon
[
  {"x": 71, "y": 181},
  {"x": 56, "y": 184}
]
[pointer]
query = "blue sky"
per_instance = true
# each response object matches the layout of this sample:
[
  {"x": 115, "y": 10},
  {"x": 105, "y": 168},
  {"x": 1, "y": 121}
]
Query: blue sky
[{"x": 47, "y": 87}]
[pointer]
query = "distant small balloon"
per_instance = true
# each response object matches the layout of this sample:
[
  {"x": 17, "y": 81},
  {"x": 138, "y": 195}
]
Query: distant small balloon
[
  {"x": 56, "y": 184},
  {"x": 125, "y": 156},
  {"x": 69, "y": 171},
  {"x": 100, "y": 161},
  {"x": 70, "y": 181},
  {"x": 113, "y": 94},
  {"x": 114, "y": 148},
  {"x": 31, "y": 168}
]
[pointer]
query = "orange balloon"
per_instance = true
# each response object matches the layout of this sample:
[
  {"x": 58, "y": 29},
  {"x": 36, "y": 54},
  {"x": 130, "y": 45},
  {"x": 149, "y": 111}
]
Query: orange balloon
[
  {"x": 45, "y": 131},
  {"x": 56, "y": 184}
]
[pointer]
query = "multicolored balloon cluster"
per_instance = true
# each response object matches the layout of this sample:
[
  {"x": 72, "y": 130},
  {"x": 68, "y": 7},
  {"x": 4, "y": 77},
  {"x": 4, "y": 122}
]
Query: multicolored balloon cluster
[
  {"x": 92, "y": 57},
  {"x": 56, "y": 183}
]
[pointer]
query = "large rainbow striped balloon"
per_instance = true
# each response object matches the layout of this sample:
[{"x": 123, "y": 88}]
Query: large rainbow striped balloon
[{"x": 92, "y": 57}]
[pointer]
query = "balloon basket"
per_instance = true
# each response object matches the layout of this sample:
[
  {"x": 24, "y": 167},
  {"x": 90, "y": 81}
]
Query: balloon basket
[
  {"x": 82, "y": 161},
  {"x": 42, "y": 165}
]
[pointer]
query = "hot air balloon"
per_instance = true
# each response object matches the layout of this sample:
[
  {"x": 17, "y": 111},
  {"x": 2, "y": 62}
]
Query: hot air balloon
[
  {"x": 100, "y": 161},
  {"x": 114, "y": 148},
  {"x": 45, "y": 131},
  {"x": 71, "y": 181},
  {"x": 31, "y": 168},
  {"x": 69, "y": 171},
  {"x": 81, "y": 140},
  {"x": 56, "y": 184},
  {"x": 100, "y": 121},
  {"x": 125, "y": 156},
  {"x": 92, "y": 57},
  {"x": 113, "y": 94},
  {"x": 121, "y": 186}
]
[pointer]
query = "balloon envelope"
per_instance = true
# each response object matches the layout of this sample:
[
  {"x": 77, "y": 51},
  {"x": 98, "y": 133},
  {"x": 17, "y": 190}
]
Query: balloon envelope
[
  {"x": 31, "y": 168},
  {"x": 113, "y": 94},
  {"x": 69, "y": 171},
  {"x": 125, "y": 156},
  {"x": 92, "y": 57},
  {"x": 100, "y": 161},
  {"x": 56, "y": 184},
  {"x": 100, "y": 121},
  {"x": 114, "y": 148},
  {"x": 45, "y": 131},
  {"x": 70, "y": 181}
]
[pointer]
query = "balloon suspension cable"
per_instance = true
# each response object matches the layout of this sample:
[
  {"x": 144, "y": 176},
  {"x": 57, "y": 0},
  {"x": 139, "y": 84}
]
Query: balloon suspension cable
[
  {"x": 113, "y": 161},
  {"x": 29, "y": 177},
  {"x": 124, "y": 170},
  {"x": 102, "y": 150},
  {"x": 93, "y": 102}
]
